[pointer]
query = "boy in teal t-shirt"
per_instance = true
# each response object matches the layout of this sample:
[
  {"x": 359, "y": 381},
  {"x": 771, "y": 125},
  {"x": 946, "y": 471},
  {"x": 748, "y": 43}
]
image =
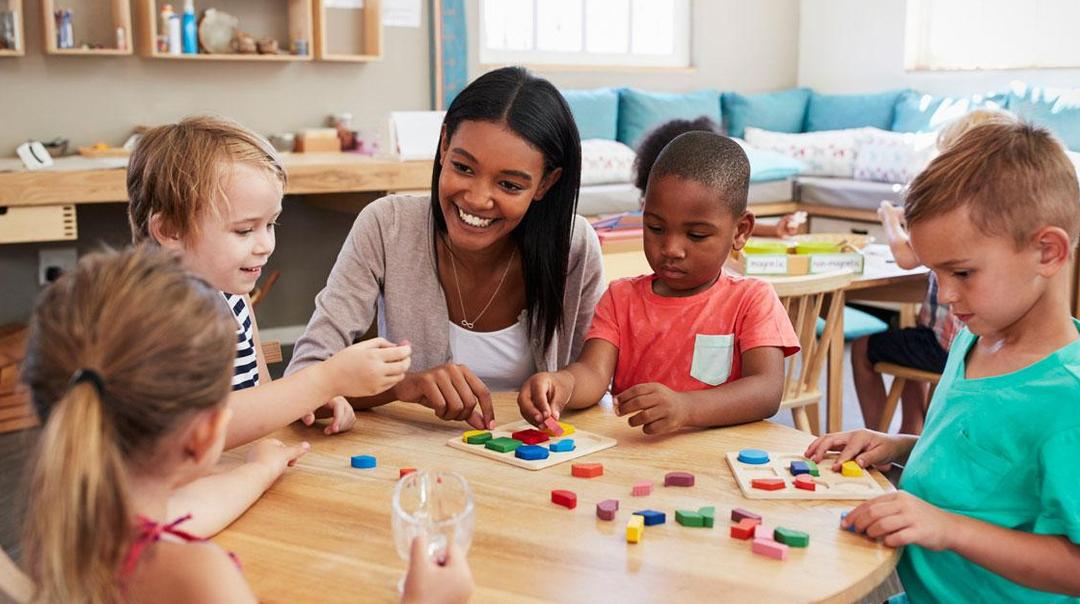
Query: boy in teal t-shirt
[{"x": 989, "y": 506}]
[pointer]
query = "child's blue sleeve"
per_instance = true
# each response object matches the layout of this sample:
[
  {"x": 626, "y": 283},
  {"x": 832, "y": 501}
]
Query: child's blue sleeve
[{"x": 1060, "y": 495}]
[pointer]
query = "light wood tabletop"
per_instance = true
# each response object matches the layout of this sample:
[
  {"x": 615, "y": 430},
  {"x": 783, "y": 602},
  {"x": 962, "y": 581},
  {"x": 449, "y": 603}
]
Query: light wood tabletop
[{"x": 322, "y": 532}]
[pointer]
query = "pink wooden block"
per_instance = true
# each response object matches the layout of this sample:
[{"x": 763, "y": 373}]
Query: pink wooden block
[
  {"x": 642, "y": 488},
  {"x": 605, "y": 510},
  {"x": 678, "y": 479},
  {"x": 770, "y": 548},
  {"x": 762, "y": 531},
  {"x": 553, "y": 426}
]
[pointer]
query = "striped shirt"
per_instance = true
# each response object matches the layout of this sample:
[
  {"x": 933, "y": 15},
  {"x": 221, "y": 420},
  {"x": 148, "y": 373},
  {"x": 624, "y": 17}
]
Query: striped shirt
[
  {"x": 245, "y": 366},
  {"x": 938, "y": 316}
]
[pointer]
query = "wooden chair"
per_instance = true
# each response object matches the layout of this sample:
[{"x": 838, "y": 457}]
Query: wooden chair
[
  {"x": 272, "y": 352},
  {"x": 901, "y": 375},
  {"x": 805, "y": 298}
]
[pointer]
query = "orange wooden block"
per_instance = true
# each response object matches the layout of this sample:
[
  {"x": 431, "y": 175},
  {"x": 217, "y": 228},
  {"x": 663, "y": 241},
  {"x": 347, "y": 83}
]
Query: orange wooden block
[
  {"x": 403, "y": 472},
  {"x": 587, "y": 470},
  {"x": 768, "y": 484}
]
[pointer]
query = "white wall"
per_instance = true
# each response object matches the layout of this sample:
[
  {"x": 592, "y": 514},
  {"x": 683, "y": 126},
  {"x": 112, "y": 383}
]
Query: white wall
[{"x": 848, "y": 46}]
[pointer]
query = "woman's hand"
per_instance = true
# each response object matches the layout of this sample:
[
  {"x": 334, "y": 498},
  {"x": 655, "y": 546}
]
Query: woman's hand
[{"x": 453, "y": 392}]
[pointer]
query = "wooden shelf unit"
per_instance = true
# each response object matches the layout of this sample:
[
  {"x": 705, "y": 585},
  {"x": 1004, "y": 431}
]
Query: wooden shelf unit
[
  {"x": 15, "y": 6},
  {"x": 371, "y": 31},
  {"x": 121, "y": 17},
  {"x": 300, "y": 28}
]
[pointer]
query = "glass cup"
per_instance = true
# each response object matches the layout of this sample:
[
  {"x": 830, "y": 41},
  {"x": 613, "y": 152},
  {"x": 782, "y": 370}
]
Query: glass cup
[{"x": 437, "y": 505}]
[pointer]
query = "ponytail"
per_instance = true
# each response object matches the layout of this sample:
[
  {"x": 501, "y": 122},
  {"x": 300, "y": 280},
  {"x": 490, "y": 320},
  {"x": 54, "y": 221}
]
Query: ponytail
[{"x": 78, "y": 531}]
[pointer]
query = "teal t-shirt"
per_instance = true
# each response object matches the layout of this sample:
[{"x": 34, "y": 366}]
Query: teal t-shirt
[{"x": 1002, "y": 449}]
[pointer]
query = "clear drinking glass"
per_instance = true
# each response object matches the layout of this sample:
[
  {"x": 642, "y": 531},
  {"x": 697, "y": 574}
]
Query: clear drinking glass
[{"x": 438, "y": 505}]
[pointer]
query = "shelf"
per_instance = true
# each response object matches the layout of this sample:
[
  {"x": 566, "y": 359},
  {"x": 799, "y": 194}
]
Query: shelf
[
  {"x": 88, "y": 16},
  {"x": 297, "y": 17},
  {"x": 15, "y": 7},
  {"x": 353, "y": 35}
]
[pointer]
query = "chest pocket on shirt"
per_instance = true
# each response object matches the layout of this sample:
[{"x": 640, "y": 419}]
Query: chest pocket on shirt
[
  {"x": 712, "y": 358},
  {"x": 968, "y": 481}
]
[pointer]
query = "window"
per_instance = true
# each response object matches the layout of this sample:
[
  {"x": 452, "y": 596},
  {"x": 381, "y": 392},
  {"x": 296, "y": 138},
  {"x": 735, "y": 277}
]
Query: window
[
  {"x": 648, "y": 33},
  {"x": 992, "y": 34}
]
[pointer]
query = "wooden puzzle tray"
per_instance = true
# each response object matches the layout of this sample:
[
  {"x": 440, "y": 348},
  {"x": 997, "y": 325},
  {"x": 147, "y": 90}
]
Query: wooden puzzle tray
[
  {"x": 829, "y": 485},
  {"x": 585, "y": 443}
]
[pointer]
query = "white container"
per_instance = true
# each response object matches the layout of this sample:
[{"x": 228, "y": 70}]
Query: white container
[{"x": 175, "y": 45}]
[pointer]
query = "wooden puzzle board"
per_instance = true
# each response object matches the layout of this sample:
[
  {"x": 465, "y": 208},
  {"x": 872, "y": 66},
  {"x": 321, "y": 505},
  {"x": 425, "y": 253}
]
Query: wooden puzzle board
[
  {"x": 830, "y": 485},
  {"x": 585, "y": 443}
]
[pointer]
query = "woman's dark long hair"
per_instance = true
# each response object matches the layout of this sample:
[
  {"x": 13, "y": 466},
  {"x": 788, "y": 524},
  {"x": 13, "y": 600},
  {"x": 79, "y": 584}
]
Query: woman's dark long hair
[{"x": 534, "y": 110}]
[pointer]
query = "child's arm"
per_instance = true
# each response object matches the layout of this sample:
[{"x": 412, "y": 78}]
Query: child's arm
[
  {"x": 1042, "y": 562},
  {"x": 755, "y": 395},
  {"x": 866, "y": 447},
  {"x": 787, "y": 226},
  {"x": 256, "y": 341},
  {"x": 215, "y": 501},
  {"x": 580, "y": 384},
  {"x": 898, "y": 240}
]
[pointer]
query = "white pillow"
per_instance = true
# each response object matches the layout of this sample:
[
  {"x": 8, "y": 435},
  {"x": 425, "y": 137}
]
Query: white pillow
[
  {"x": 884, "y": 156},
  {"x": 825, "y": 153},
  {"x": 605, "y": 161}
]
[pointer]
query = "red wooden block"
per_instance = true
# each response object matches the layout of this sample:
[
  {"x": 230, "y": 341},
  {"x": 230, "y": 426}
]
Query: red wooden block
[
  {"x": 805, "y": 482},
  {"x": 587, "y": 470},
  {"x": 768, "y": 484},
  {"x": 553, "y": 426},
  {"x": 737, "y": 514},
  {"x": 744, "y": 530},
  {"x": 403, "y": 472},
  {"x": 567, "y": 499},
  {"x": 678, "y": 479},
  {"x": 605, "y": 510},
  {"x": 530, "y": 436}
]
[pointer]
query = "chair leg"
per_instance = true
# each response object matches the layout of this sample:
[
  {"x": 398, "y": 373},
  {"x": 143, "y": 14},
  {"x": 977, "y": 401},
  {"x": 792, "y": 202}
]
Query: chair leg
[
  {"x": 891, "y": 401},
  {"x": 814, "y": 415},
  {"x": 802, "y": 422}
]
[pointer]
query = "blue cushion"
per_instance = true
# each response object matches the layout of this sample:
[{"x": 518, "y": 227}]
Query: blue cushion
[
  {"x": 782, "y": 111},
  {"x": 641, "y": 111},
  {"x": 1055, "y": 108},
  {"x": 857, "y": 324},
  {"x": 595, "y": 111},
  {"x": 842, "y": 111},
  {"x": 771, "y": 165},
  {"x": 916, "y": 112}
]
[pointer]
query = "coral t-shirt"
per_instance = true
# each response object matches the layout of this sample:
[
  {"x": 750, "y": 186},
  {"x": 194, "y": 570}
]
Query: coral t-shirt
[{"x": 690, "y": 343}]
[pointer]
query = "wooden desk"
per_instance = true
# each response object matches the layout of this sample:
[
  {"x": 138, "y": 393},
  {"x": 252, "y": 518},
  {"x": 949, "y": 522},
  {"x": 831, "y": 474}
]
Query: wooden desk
[{"x": 322, "y": 533}]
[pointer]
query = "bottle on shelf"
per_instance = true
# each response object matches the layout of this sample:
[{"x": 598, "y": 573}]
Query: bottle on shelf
[
  {"x": 163, "y": 28},
  {"x": 190, "y": 34},
  {"x": 65, "y": 38},
  {"x": 121, "y": 39}
]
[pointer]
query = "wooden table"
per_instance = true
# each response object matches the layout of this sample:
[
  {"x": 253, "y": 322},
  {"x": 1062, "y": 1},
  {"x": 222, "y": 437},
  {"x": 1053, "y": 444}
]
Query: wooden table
[{"x": 322, "y": 532}]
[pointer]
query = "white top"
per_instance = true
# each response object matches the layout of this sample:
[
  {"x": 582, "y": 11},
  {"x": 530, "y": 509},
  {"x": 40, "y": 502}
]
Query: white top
[{"x": 502, "y": 359}]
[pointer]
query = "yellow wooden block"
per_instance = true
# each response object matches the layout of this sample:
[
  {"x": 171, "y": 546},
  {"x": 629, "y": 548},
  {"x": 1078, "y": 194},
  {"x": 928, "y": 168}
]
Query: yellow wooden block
[
  {"x": 466, "y": 435},
  {"x": 567, "y": 430},
  {"x": 635, "y": 527},
  {"x": 850, "y": 468}
]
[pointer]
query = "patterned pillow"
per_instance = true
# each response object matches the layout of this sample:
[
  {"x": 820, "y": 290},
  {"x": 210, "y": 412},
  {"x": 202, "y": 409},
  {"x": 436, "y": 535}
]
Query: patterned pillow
[
  {"x": 825, "y": 153},
  {"x": 885, "y": 156},
  {"x": 605, "y": 161}
]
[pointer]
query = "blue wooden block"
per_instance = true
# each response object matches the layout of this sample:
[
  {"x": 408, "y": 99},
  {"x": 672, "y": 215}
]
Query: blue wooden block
[
  {"x": 753, "y": 456},
  {"x": 531, "y": 452},
  {"x": 799, "y": 467},
  {"x": 564, "y": 445},
  {"x": 850, "y": 529},
  {"x": 362, "y": 461},
  {"x": 652, "y": 517}
]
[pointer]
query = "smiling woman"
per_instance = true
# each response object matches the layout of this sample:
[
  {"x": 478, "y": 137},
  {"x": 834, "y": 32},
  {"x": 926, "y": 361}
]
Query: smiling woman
[{"x": 491, "y": 278}]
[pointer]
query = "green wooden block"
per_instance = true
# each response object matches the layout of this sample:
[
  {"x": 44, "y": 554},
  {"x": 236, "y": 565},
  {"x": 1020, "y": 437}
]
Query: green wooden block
[
  {"x": 478, "y": 439},
  {"x": 813, "y": 468},
  {"x": 791, "y": 538},
  {"x": 708, "y": 516},
  {"x": 503, "y": 444},
  {"x": 688, "y": 518}
]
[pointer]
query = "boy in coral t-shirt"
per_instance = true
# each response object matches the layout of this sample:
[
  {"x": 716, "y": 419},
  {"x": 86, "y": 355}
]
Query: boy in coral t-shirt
[{"x": 687, "y": 346}]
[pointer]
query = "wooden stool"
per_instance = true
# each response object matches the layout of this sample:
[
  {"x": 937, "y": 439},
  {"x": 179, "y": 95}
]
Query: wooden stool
[
  {"x": 16, "y": 412},
  {"x": 900, "y": 375},
  {"x": 272, "y": 352}
]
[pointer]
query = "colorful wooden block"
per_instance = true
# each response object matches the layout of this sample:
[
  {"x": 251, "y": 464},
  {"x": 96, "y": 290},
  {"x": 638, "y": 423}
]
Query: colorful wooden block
[
  {"x": 678, "y": 479},
  {"x": 791, "y": 537},
  {"x": 567, "y": 429},
  {"x": 743, "y": 530},
  {"x": 708, "y": 516},
  {"x": 503, "y": 444},
  {"x": 403, "y": 472},
  {"x": 799, "y": 467},
  {"x": 531, "y": 436},
  {"x": 770, "y": 548},
  {"x": 768, "y": 484},
  {"x": 850, "y": 468},
  {"x": 739, "y": 514},
  {"x": 531, "y": 452},
  {"x": 635, "y": 528},
  {"x": 762, "y": 531},
  {"x": 850, "y": 529},
  {"x": 813, "y": 468},
  {"x": 567, "y": 499},
  {"x": 605, "y": 510},
  {"x": 754, "y": 456},
  {"x": 587, "y": 470},
  {"x": 688, "y": 518},
  {"x": 476, "y": 437},
  {"x": 563, "y": 446},
  {"x": 805, "y": 482},
  {"x": 552, "y": 427},
  {"x": 652, "y": 517},
  {"x": 641, "y": 488},
  {"x": 364, "y": 462}
]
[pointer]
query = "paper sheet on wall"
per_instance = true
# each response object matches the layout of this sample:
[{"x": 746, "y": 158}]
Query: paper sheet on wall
[
  {"x": 343, "y": 3},
  {"x": 415, "y": 134},
  {"x": 401, "y": 13}
]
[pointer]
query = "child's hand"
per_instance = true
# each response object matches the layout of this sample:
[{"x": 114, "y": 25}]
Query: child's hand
[
  {"x": 544, "y": 395},
  {"x": 901, "y": 518},
  {"x": 342, "y": 414},
  {"x": 276, "y": 455},
  {"x": 369, "y": 367},
  {"x": 788, "y": 225},
  {"x": 657, "y": 408},
  {"x": 892, "y": 218},
  {"x": 429, "y": 582},
  {"x": 866, "y": 447},
  {"x": 453, "y": 392}
]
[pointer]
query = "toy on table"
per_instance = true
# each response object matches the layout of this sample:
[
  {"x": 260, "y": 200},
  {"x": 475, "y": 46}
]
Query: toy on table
[
  {"x": 765, "y": 475},
  {"x": 522, "y": 445}
]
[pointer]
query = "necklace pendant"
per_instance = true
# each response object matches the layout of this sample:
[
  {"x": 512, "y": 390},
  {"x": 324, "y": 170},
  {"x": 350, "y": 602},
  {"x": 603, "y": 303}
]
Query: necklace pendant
[{"x": 466, "y": 324}]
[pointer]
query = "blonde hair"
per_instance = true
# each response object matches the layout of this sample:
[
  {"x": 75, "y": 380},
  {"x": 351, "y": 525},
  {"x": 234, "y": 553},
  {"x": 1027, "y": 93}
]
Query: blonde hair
[
  {"x": 176, "y": 172},
  {"x": 1013, "y": 177},
  {"x": 952, "y": 131},
  {"x": 162, "y": 343}
]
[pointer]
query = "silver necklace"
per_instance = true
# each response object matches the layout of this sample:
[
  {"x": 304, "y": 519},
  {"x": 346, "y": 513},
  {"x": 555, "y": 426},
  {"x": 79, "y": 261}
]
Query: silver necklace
[{"x": 461, "y": 300}]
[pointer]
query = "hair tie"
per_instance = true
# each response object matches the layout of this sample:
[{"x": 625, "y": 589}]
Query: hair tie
[{"x": 88, "y": 375}]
